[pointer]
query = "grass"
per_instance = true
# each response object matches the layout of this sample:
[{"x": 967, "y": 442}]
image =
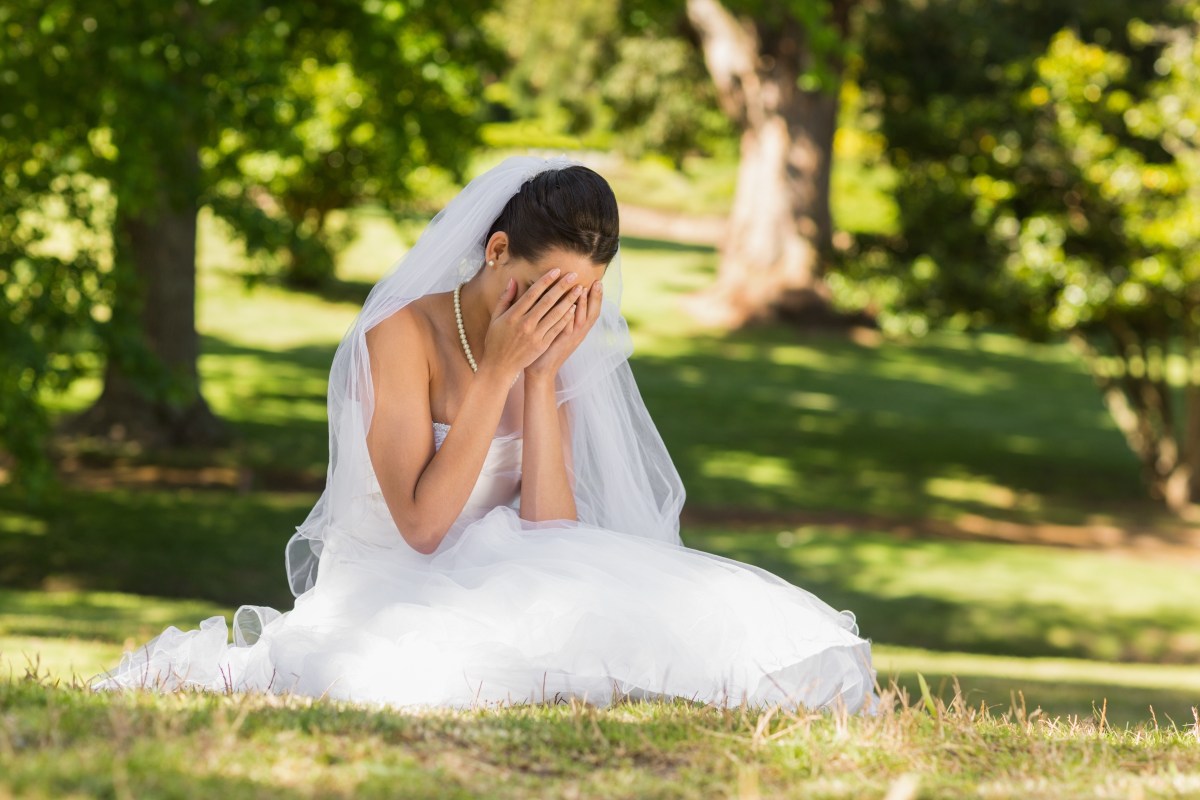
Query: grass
[
  {"x": 981, "y": 597},
  {"x": 75, "y": 744},
  {"x": 854, "y": 453},
  {"x": 954, "y": 424},
  {"x": 74, "y": 635}
]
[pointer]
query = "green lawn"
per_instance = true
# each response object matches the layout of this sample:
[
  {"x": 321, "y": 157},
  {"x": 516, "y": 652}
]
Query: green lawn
[
  {"x": 847, "y": 451},
  {"x": 72, "y": 634},
  {"x": 74, "y": 744}
]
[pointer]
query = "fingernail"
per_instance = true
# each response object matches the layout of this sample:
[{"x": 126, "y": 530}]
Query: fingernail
[
  {"x": 554, "y": 272},
  {"x": 570, "y": 277},
  {"x": 577, "y": 290}
]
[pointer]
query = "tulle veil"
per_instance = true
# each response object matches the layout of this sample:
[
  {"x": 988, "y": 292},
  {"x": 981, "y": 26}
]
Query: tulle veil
[{"x": 624, "y": 477}]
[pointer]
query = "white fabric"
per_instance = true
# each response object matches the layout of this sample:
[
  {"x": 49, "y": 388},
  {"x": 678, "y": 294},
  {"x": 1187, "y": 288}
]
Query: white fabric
[
  {"x": 506, "y": 610},
  {"x": 624, "y": 477}
]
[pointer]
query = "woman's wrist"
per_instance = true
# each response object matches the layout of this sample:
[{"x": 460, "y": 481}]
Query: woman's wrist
[
  {"x": 493, "y": 374},
  {"x": 537, "y": 377}
]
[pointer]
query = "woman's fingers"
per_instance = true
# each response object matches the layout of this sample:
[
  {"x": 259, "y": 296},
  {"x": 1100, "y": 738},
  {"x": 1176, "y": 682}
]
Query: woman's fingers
[
  {"x": 595, "y": 301},
  {"x": 581, "y": 308},
  {"x": 562, "y": 324},
  {"x": 565, "y": 305},
  {"x": 554, "y": 296},
  {"x": 587, "y": 309},
  {"x": 536, "y": 290},
  {"x": 506, "y": 298}
]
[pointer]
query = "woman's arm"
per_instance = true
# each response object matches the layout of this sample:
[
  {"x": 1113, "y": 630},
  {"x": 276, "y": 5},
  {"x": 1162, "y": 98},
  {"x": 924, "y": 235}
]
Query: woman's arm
[
  {"x": 547, "y": 472},
  {"x": 425, "y": 488},
  {"x": 546, "y": 492}
]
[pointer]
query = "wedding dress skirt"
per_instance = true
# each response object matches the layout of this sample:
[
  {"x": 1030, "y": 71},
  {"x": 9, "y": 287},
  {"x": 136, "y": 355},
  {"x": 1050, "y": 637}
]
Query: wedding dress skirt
[{"x": 505, "y": 612}]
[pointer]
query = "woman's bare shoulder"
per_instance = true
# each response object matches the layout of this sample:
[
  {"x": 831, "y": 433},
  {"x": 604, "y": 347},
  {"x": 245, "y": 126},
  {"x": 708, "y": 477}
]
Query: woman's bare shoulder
[{"x": 407, "y": 324}]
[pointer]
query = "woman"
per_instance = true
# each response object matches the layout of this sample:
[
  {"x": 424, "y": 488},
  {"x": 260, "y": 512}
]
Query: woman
[{"x": 500, "y": 522}]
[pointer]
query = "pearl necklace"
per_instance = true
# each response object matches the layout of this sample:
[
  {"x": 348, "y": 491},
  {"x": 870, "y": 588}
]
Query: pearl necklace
[{"x": 462, "y": 332}]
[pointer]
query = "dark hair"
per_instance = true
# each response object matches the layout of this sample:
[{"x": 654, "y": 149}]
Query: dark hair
[{"x": 572, "y": 208}]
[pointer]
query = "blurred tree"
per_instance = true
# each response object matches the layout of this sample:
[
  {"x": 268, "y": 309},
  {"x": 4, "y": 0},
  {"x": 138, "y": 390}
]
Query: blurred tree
[
  {"x": 777, "y": 67},
  {"x": 1049, "y": 162},
  {"x": 605, "y": 67},
  {"x": 119, "y": 121},
  {"x": 654, "y": 70}
]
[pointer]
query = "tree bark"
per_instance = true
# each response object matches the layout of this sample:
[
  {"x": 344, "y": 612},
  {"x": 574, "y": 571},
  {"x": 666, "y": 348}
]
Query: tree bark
[
  {"x": 780, "y": 225},
  {"x": 1191, "y": 399},
  {"x": 151, "y": 388},
  {"x": 1141, "y": 409}
]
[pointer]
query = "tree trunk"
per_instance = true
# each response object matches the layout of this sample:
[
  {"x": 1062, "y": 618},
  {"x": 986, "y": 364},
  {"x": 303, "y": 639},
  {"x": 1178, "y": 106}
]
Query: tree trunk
[
  {"x": 780, "y": 225},
  {"x": 1191, "y": 399},
  {"x": 1141, "y": 409},
  {"x": 151, "y": 384}
]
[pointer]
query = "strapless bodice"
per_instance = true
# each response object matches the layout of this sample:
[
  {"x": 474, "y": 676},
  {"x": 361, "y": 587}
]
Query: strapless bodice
[{"x": 499, "y": 482}]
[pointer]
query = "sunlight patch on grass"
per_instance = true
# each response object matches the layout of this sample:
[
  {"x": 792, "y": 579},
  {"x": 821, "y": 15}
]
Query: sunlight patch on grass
[
  {"x": 752, "y": 467},
  {"x": 22, "y": 525},
  {"x": 975, "y": 382},
  {"x": 1175, "y": 677},
  {"x": 982, "y": 596},
  {"x": 813, "y": 401},
  {"x": 112, "y": 617},
  {"x": 59, "y": 658},
  {"x": 979, "y": 490}
]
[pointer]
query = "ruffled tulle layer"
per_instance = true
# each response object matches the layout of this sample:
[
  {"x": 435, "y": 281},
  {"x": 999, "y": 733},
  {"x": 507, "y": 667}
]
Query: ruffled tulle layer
[{"x": 509, "y": 613}]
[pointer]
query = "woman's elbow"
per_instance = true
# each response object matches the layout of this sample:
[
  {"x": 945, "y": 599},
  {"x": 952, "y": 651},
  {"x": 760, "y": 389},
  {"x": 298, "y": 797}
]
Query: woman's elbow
[
  {"x": 425, "y": 545},
  {"x": 422, "y": 538},
  {"x": 418, "y": 532}
]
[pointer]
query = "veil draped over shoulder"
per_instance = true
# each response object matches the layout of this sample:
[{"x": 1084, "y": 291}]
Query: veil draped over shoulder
[{"x": 624, "y": 478}]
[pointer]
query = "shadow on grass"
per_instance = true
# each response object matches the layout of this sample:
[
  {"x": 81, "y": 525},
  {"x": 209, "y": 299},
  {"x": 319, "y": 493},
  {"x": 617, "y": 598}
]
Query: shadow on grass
[
  {"x": 334, "y": 290},
  {"x": 664, "y": 246},
  {"x": 108, "y": 617},
  {"x": 339, "y": 290},
  {"x": 276, "y": 402},
  {"x": 983, "y": 597},
  {"x": 212, "y": 545},
  {"x": 767, "y": 419},
  {"x": 1122, "y": 704},
  {"x": 228, "y": 548}
]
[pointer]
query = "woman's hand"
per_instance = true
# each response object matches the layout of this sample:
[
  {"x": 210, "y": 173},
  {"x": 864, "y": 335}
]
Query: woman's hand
[
  {"x": 587, "y": 311},
  {"x": 522, "y": 330}
]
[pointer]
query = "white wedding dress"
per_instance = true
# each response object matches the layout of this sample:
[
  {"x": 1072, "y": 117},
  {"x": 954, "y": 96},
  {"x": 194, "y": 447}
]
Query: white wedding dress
[{"x": 502, "y": 613}]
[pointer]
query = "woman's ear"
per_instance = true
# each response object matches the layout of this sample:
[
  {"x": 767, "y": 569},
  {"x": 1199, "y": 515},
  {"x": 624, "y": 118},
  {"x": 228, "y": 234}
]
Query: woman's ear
[{"x": 497, "y": 248}]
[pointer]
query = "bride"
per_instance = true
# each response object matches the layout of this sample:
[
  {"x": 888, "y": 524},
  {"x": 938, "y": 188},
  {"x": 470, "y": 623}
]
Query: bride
[{"x": 500, "y": 520}]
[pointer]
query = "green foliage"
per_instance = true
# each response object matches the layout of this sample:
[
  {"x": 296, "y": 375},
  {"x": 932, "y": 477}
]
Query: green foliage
[
  {"x": 55, "y": 251},
  {"x": 273, "y": 114},
  {"x": 660, "y": 99},
  {"x": 1049, "y": 182},
  {"x": 999, "y": 211},
  {"x": 607, "y": 66},
  {"x": 634, "y": 67},
  {"x": 380, "y": 105}
]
